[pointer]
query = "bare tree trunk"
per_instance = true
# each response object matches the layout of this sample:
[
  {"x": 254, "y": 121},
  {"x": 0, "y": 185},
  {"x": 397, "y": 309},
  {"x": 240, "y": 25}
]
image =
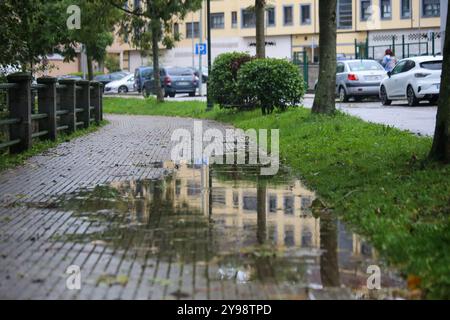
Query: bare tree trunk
[
  {"x": 329, "y": 262},
  {"x": 324, "y": 101},
  {"x": 89, "y": 67},
  {"x": 156, "y": 37},
  {"x": 260, "y": 25},
  {"x": 440, "y": 150}
]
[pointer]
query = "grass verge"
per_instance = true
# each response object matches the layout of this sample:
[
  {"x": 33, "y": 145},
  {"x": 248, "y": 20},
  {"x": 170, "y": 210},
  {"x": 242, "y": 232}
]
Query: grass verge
[
  {"x": 375, "y": 177},
  {"x": 11, "y": 160}
]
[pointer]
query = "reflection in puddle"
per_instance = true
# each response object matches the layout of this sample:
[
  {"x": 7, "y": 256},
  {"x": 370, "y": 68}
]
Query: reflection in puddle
[{"x": 246, "y": 228}]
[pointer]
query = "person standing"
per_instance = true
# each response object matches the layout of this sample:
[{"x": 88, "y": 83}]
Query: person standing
[{"x": 389, "y": 60}]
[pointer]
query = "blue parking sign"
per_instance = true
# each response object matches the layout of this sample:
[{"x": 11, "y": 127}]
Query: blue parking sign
[{"x": 200, "y": 49}]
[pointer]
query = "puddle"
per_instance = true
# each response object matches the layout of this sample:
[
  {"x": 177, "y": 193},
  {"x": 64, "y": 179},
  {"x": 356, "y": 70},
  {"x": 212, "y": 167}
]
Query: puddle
[{"x": 244, "y": 228}]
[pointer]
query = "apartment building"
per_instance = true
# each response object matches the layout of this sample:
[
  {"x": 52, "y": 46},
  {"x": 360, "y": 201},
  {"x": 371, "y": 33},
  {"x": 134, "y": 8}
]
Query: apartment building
[{"x": 292, "y": 27}]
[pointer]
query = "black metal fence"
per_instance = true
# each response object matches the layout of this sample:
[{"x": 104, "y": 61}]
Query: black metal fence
[{"x": 47, "y": 108}]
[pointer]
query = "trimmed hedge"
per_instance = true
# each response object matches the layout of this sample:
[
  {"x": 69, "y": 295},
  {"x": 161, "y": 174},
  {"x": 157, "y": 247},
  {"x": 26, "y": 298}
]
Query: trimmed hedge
[
  {"x": 271, "y": 84},
  {"x": 223, "y": 79}
]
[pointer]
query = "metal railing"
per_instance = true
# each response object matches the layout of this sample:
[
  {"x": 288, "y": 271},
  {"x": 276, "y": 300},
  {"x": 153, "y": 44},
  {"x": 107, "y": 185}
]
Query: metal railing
[{"x": 62, "y": 106}]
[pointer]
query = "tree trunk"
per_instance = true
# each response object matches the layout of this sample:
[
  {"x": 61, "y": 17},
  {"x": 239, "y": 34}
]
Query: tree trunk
[
  {"x": 89, "y": 67},
  {"x": 260, "y": 25},
  {"x": 324, "y": 101},
  {"x": 156, "y": 37},
  {"x": 329, "y": 263},
  {"x": 440, "y": 150}
]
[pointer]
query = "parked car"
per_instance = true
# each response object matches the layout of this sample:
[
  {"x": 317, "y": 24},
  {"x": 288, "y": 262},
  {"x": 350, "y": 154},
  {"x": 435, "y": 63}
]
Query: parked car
[
  {"x": 141, "y": 75},
  {"x": 107, "y": 78},
  {"x": 174, "y": 80},
  {"x": 70, "y": 77},
  {"x": 358, "y": 79},
  {"x": 204, "y": 73},
  {"x": 414, "y": 79},
  {"x": 123, "y": 85}
]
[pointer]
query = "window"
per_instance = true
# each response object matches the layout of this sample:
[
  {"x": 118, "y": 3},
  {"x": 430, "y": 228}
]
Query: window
[
  {"x": 234, "y": 19},
  {"x": 340, "y": 68},
  {"x": 399, "y": 67},
  {"x": 192, "y": 30},
  {"x": 305, "y": 14},
  {"x": 344, "y": 14},
  {"x": 386, "y": 9},
  {"x": 366, "y": 10},
  {"x": 217, "y": 20},
  {"x": 432, "y": 65},
  {"x": 365, "y": 65},
  {"x": 248, "y": 18},
  {"x": 273, "y": 205},
  {"x": 431, "y": 8},
  {"x": 406, "y": 9},
  {"x": 288, "y": 205},
  {"x": 270, "y": 17},
  {"x": 288, "y": 16},
  {"x": 176, "y": 29}
]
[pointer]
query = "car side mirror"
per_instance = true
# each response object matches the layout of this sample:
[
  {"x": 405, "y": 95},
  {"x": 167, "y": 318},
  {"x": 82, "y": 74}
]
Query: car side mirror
[{"x": 389, "y": 74}]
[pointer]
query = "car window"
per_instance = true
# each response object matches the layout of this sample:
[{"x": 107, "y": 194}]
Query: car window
[
  {"x": 432, "y": 65},
  {"x": 399, "y": 67},
  {"x": 340, "y": 68},
  {"x": 365, "y": 66},
  {"x": 180, "y": 72},
  {"x": 147, "y": 73},
  {"x": 116, "y": 76},
  {"x": 409, "y": 65}
]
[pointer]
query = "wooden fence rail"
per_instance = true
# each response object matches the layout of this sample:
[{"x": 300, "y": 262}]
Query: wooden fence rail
[{"x": 62, "y": 106}]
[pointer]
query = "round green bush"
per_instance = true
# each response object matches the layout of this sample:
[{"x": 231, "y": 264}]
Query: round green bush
[
  {"x": 271, "y": 83},
  {"x": 222, "y": 84}
]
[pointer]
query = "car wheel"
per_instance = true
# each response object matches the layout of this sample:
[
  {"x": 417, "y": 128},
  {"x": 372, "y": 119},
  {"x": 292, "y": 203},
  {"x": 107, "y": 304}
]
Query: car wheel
[
  {"x": 384, "y": 97},
  {"x": 192, "y": 94},
  {"x": 412, "y": 99},
  {"x": 123, "y": 89},
  {"x": 343, "y": 97},
  {"x": 172, "y": 95}
]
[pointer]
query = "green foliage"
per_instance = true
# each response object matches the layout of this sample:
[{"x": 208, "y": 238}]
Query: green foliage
[
  {"x": 31, "y": 29},
  {"x": 223, "y": 86},
  {"x": 98, "y": 21},
  {"x": 375, "y": 177},
  {"x": 270, "y": 84},
  {"x": 112, "y": 63}
]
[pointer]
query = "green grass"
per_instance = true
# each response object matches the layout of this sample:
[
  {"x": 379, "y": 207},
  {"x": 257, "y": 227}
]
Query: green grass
[
  {"x": 11, "y": 160},
  {"x": 375, "y": 177}
]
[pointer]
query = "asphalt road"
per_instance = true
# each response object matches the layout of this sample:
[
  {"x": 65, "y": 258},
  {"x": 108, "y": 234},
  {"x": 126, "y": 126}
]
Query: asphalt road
[{"x": 419, "y": 120}]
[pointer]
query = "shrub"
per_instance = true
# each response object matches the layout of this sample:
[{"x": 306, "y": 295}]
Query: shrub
[
  {"x": 223, "y": 78},
  {"x": 271, "y": 83}
]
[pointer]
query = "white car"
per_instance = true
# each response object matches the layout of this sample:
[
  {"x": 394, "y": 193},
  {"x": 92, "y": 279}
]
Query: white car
[
  {"x": 413, "y": 79},
  {"x": 124, "y": 85}
]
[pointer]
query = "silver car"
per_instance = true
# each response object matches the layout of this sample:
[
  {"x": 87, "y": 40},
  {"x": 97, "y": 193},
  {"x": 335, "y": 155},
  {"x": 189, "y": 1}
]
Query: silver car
[{"x": 358, "y": 79}]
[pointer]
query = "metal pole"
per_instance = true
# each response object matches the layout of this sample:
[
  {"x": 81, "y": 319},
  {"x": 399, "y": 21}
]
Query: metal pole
[
  {"x": 200, "y": 71},
  {"x": 210, "y": 103},
  {"x": 193, "y": 41}
]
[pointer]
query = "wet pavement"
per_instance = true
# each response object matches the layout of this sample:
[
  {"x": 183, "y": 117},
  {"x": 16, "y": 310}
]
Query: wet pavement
[
  {"x": 153, "y": 230},
  {"x": 419, "y": 120}
]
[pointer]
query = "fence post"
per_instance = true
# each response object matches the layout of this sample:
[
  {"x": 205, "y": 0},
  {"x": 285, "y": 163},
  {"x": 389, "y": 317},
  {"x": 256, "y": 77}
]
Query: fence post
[
  {"x": 367, "y": 48},
  {"x": 356, "y": 49},
  {"x": 84, "y": 101},
  {"x": 403, "y": 46},
  {"x": 47, "y": 104},
  {"x": 68, "y": 101},
  {"x": 20, "y": 107},
  {"x": 96, "y": 97},
  {"x": 305, "y": 69},
  {"x": 433, "y": 45},
  {"x": 393, "y": 44}
]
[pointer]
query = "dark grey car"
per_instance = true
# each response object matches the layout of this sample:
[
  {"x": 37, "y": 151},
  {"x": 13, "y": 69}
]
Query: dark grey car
[{"x": 174, "y": 80}]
